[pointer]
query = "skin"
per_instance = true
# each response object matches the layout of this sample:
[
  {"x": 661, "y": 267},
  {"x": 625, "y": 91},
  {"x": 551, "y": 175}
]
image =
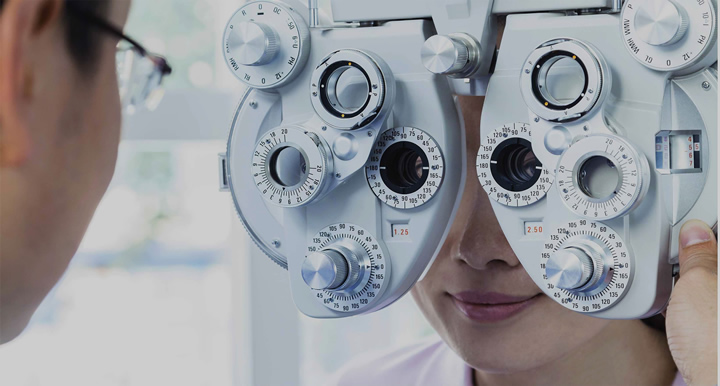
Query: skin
[
  {"x": 546, "y": 343},
  {"x": 59, "y": 131},
  {"x": 59, "y": 135}
]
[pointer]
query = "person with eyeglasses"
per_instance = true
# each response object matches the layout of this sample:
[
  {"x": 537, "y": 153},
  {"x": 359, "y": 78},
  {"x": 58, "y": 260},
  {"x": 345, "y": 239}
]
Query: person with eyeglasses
[{"x": 67, "y": 72}]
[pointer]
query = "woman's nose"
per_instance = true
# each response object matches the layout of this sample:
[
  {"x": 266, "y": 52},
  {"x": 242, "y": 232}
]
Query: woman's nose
[{"x": 482, "y": 243}]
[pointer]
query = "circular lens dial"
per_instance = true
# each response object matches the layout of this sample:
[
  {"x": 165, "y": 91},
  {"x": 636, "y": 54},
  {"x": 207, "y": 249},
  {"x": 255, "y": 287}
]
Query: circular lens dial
[
  {"x": 564, "y": 79},
  {"x": 669, "y": 35},
  {"x": 265, "y": 44},
  {"x": 602, "y": 177},
  {"x": 508, "y": 169},
  {"x": 590, "y": 260},
  {"x": 367, "y": 264},
  {"x": 290, "y": 166},
  {"x": 405, "y": 168},
  {"x": 349, "y": 88}
]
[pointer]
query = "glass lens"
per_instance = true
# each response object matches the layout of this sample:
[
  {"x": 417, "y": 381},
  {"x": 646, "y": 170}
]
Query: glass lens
[{"x": 139, "y": 79}]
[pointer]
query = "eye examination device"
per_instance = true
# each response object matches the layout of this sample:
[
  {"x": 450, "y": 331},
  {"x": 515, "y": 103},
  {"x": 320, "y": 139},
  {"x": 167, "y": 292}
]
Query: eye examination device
[{"x": 346, "y": 155}]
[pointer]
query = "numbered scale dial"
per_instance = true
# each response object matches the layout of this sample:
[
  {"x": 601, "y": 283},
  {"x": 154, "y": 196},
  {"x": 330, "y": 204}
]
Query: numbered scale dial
[
  {"x": 669, "y": 35},
  {"x": 367, "y": 267},
  {"x": 406, "y": 167},
  {"x": 265, "y": 44},
  {"x": 508, "y": 169},
  {"x": 290, "y": 166},
  {"x": 602, "y": 177},
  {"x": 587, "y": 266}
]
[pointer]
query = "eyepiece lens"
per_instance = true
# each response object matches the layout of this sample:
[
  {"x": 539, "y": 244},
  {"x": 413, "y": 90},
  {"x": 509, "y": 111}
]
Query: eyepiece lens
[
  {"x": 404, "y": 167},
  {"x": 516, "y": 168},
  {"x": 287, "y": 166},
  {"x": 598, "y": 177}
]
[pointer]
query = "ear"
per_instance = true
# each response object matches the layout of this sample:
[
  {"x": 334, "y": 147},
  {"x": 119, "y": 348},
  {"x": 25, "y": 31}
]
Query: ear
[{"x": 22, "y": 22}]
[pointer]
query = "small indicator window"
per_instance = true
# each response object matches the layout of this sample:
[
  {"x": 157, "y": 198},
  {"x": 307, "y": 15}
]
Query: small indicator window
[
  {"x": 533, "y": 228},
  {"x": 400, "y": 231},
  {"x": 678, "y": 151}
]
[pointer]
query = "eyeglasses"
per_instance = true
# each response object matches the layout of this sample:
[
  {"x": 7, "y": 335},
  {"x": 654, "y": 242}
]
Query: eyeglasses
[{"x": 140, "y": 73}]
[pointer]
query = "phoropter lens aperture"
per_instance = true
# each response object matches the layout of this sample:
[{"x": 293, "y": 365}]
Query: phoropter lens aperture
[
  {"x": 598, "y": 177},
  {"x": 287, "y": 166},
  {"x": 559, "y": 80},
  {"x": 514, "y": 165},
  {"x": 404, "y": 167},
  {"x": 345, "y": 89}
]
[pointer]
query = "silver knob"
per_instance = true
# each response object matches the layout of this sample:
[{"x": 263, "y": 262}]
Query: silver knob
[
  {"x": 326, "y": 269},
  {"x": 254, "y": 43},
  {"x": 661, "y": 22},
  {"x": 569, "y": 268},
  {"x": 445, "y": 55}
]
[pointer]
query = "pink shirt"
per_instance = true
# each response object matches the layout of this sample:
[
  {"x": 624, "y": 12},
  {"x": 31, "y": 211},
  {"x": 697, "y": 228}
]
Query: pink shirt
[{"x": 429, "y": 362}]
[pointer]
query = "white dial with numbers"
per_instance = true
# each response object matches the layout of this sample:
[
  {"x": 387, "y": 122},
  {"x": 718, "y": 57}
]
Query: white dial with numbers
[
  {"x": 508, "y": 169},
  {"x": 669, "y": 35},
  {"x": 290, "y": 166},
  {"x": 602, "y": 177},
  {"x": 405, "y": 168},
  {"x": 366, "y": 267},
  {"x": 587, "y": 266},
  {"x": 265, "y": 44}
]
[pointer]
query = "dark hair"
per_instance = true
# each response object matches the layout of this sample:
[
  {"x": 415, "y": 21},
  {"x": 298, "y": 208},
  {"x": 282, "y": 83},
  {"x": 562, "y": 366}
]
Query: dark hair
[{"x": 82, "y": 39}]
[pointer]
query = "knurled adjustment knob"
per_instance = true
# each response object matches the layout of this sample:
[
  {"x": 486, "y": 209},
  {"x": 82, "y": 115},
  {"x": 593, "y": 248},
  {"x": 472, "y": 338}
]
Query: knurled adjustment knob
[
  {"x": 569, "y": 268},
  {"x": 445, "y": 55},
  {"x": 661, "y": 22},
  {"x": 327, "y": 269},
  {"x": 253, "y": 43}
]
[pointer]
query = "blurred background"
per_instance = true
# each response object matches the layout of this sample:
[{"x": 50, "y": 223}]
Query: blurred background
[{"x": 166, "y": 288}]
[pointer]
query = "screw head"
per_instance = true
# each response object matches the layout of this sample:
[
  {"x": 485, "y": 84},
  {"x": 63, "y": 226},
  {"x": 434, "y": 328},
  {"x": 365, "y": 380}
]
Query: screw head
[
  {"x": 276, "y": 243},
  {"x": 537, "y": 119},
  {"x": 324, "y": 128},
  {"x": 338, "y": 175},
  {"x": 253, "y": 104},
  {"x": 370, "y": 133},
  {"x": 706, "y": 85}
]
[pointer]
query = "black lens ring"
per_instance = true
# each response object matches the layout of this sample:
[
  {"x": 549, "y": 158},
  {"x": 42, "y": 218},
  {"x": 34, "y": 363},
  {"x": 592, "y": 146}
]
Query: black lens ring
[
  {"x": 393, "y": 169},
  {"x": 503, "y": 172},
  {"x": 535, "y": 86},
  {"x": 323, "y": 89}
]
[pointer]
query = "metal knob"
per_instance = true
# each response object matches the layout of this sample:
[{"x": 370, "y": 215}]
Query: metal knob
[
  {"x": 326, "y": 269},
  {"x": 445, "y": 55},
  {"x": 661, "y": 22},
  {"x": 569, "y": 268},
  {"x": 254, "y": 43}
]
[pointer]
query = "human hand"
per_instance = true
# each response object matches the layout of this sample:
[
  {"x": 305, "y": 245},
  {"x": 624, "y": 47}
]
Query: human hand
[{"x": 691, "y": 316}]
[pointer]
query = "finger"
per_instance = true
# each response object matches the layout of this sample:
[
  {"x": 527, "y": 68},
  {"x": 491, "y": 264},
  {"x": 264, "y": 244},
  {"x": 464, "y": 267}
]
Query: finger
[{"x": 698, "y": 247}]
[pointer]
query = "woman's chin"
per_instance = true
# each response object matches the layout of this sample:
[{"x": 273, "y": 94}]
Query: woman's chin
[{"x": 525, "y": 340}]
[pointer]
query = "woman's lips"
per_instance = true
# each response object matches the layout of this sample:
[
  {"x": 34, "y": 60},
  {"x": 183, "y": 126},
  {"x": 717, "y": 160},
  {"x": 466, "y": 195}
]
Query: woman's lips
[{"x": 489, "y": 307}]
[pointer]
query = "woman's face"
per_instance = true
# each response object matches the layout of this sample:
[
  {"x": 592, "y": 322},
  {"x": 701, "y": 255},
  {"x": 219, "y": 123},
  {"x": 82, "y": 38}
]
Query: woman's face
[{"x": 479, "y": 298}]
